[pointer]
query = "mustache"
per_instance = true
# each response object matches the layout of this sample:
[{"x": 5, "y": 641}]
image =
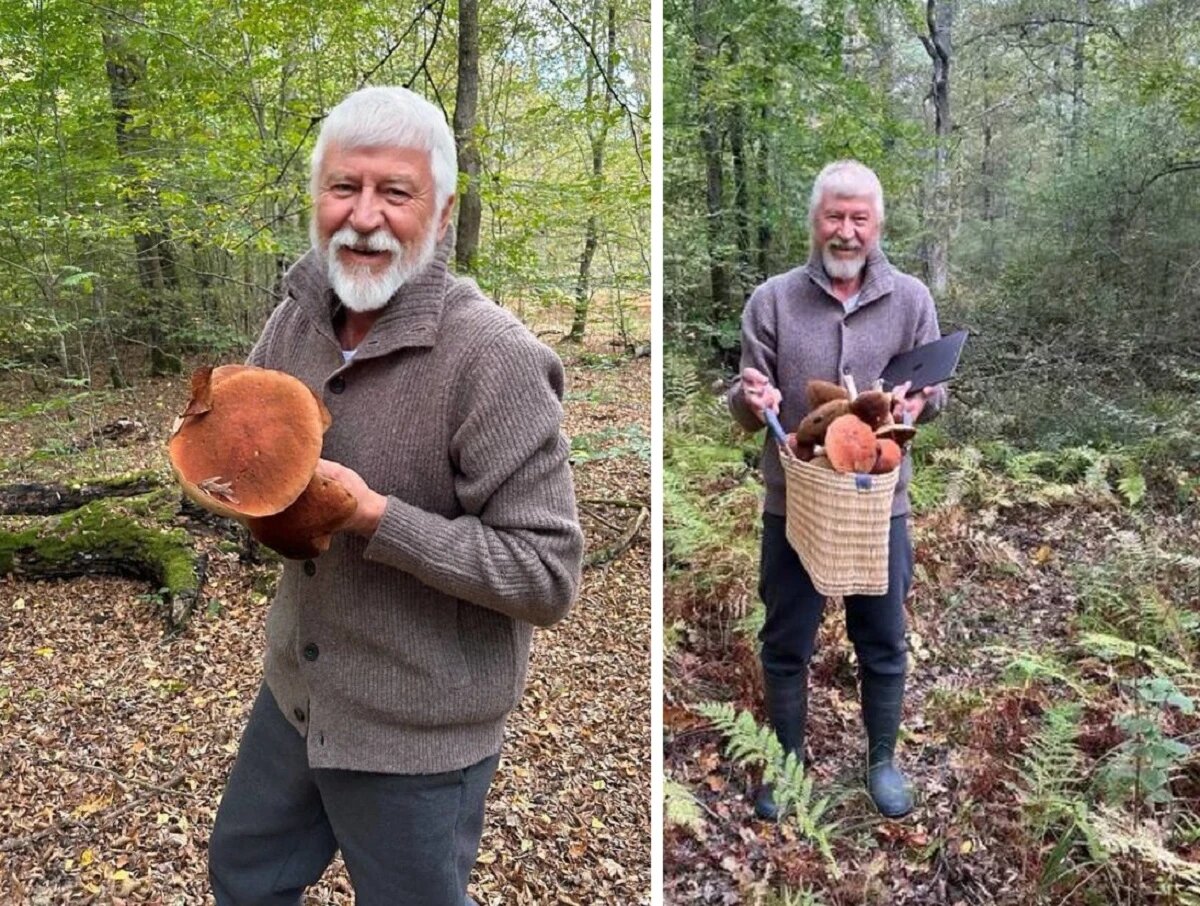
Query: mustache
[
  {"x": 844, "y": 246},
  {"x": 379, "y": 240}
]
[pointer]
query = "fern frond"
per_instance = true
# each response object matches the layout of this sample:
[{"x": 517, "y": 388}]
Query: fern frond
[
  {"x": 680, "y": 807},
  {"x": 752, "y": 745}
]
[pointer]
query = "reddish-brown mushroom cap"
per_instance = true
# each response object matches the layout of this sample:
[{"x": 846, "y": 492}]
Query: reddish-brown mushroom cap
[
  {"x": 248, "y": 441},
  {"x": 801, "y": 451},
  {"x": 812, "y": 429},
  {"x": 821, "y": 392},
  {"x": 306, "y": 527},
  {"x": 850, "y": 444},
  {"x": 873, "y": 406},
  {"x": 887, "y": 455}
]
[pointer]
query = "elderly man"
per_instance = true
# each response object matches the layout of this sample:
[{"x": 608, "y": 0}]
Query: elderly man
[
  {"x": 394, "y": 659},
  {"x": 846, "y": 312}
]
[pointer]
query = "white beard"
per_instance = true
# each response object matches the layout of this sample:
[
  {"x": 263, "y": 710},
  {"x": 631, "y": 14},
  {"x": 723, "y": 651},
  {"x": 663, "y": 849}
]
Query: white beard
[
  {"x": 842, "y": 268},
  {"x": 361, "y": 290}
]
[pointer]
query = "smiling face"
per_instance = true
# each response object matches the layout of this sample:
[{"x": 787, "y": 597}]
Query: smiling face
[
  {"x": 846, "y": 229},
  {"x": 377, "y": 221}
]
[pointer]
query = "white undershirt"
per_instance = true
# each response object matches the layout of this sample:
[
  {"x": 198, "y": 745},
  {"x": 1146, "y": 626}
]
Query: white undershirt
[{"x": 348, "y": 354}]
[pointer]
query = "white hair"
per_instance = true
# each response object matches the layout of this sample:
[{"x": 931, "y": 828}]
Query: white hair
[
  {"x": 390, "y": 117},
  {"x": 846, "y": 179}
]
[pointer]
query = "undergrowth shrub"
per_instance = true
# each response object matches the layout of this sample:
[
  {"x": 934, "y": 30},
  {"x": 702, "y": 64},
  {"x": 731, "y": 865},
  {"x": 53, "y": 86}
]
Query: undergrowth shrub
[
  {"x": 753, "y": 745},
  {"x": 1109, "y": 818},
  {"x": 711, "y": 502}
]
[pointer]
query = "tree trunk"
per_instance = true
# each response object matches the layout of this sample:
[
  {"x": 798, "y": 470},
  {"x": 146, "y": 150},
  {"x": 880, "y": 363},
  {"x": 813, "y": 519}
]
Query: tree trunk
[
  {"x": 987, "y": 179},
  {"x": 599, "y": 138},
  {"x": 714, "y": 176},
  {"x": 52, "y": 499},
  {"x": 741, "y": 188},
  {"x": 939, "y": 16},
  {"x": 153, "y": 249},
  {"x": 466, "y": 103},
  {"x": 762, "y": 181},
  {"x": 1077, "y": 75}
]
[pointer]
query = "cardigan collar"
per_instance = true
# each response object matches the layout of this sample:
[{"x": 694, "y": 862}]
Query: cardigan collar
[
  {"x": 410, "y": 318},
  {"x": 878, "y": 279}
]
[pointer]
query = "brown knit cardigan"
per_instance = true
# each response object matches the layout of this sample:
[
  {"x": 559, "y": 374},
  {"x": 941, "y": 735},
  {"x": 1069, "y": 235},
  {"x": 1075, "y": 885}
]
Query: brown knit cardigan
[{"x": 405, "y": 653}]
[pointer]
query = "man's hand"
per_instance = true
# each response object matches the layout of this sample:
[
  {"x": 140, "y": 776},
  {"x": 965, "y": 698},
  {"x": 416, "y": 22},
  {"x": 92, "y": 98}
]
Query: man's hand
[
  {"x": 370, "y": 505},
  {"x": 905, "y": 409},
  {"x": 760, "y": 395}
]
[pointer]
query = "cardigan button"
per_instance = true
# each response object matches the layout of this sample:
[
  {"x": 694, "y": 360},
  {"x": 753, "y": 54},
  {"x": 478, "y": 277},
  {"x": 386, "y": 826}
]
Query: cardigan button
[
  {"x": 337, "y": 385},
  {"x": 310, "y": 568},
  {"x": 311, "y": 651}
]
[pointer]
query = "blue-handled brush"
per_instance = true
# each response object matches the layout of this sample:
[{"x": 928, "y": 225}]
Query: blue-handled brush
[{"x": 776, "y": 429}]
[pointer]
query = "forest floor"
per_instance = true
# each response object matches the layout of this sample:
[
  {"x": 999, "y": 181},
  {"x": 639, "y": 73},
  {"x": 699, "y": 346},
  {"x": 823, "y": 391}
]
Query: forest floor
[
  {"x": 116, "y": 741},
  {"x": 995, "y": 606}
]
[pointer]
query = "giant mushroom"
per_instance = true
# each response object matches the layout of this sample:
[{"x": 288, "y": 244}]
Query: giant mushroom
[{"x": 247, "y": 447}]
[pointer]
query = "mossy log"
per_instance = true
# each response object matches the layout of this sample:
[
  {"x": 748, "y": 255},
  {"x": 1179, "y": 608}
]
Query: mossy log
[
  {"x": 52, "y": 499},
  {"x": 100, "y": 538}
]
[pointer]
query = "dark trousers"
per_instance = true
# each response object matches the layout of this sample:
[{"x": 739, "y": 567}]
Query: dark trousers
[
  {"x": 874, "y": 623},
  {"x": 407, "y": 839}
]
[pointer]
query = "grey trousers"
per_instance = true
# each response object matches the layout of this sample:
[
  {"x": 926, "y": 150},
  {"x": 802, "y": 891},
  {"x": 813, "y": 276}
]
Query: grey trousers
[{"x": 407, "y": 839}]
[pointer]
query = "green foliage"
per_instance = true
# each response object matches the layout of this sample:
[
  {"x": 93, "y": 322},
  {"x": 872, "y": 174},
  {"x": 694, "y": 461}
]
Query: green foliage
[
  {"x": 680, "y": 807},
  {"x": 1141, "y": 767},
  {"x": 787, "y": 896},
  {"x": 710, "y": 501},
  {"x": 1144, "y": 592},
  {"x": 1029, "y": 668},
  {"x": 166, "y": 222},
  {"x": 753, "y": 745},
  {"x": 611, "y": 443},
  {"x": 1052, "y": 771}
]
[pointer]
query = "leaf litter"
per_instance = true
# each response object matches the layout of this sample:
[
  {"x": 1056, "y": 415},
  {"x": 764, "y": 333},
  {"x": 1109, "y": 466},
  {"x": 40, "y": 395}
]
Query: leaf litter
[
  {"x": 115, "y": 742},
  {"x": 989, "y": 584}
]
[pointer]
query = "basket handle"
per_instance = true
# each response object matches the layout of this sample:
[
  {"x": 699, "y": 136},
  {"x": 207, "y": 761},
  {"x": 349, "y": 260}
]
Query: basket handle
[{"x": 777, "y": 431}]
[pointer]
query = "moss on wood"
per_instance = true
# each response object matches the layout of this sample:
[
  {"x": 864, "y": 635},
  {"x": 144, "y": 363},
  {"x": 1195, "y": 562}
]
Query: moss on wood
[
  {"x": 49, "y": 499},
  {"x": 103, "y": 537}
]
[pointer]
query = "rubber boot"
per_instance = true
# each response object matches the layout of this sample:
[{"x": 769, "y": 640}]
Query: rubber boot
[
  {"x": 882, "y": 700},
  {"x": 787, "y": 710}
]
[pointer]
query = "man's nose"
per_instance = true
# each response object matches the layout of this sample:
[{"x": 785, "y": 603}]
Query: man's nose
[
  {"x": 366, "y": 215},
  {"x": 845, "y": 228}
]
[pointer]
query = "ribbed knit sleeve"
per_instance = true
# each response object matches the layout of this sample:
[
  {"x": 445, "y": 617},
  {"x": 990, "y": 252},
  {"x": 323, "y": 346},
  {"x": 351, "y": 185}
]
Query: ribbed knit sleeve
[
  {"x": 758, "y": 351},
  {"x": 518, "y": 547}
]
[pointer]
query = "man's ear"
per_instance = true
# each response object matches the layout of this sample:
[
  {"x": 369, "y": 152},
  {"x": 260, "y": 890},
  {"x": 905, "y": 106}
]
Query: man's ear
[{"x": 447, "y": 211}]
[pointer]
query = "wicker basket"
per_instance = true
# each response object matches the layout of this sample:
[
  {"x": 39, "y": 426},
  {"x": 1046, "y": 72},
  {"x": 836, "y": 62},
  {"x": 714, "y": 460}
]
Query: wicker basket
[{"x": 838, "y": 523}]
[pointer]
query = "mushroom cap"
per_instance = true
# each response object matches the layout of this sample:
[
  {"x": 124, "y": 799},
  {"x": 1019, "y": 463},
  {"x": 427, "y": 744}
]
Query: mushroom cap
[
  {"x": 821, "y": 392},
  {"x": 873, "y": 406},
  {"x": 305, "y": 528},
  {"x": 887, "y": 455},
  {"x": 801, "y": 451},
  {"x": 248, "y": 441},
  {"x": 812, "y": 429},
  {"x": 850, "y": 444}
]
